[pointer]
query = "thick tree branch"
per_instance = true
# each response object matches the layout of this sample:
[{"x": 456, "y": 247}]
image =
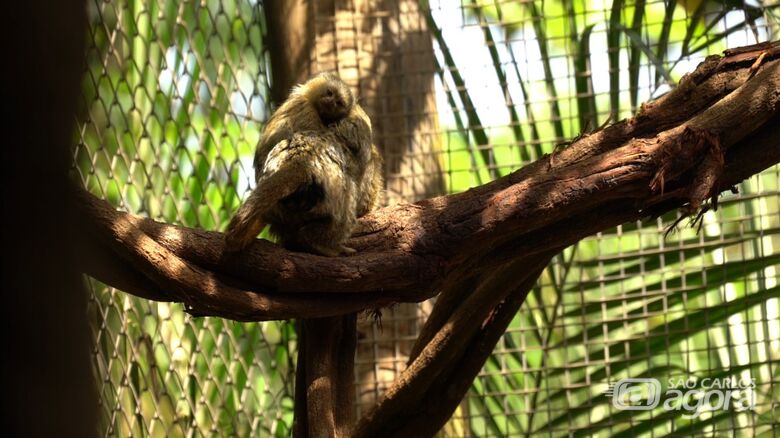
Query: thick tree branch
[
  {"x": 667, "y": 157},
  {"x": 472, "y": 312},
  {"x": 203, "y": 291}
]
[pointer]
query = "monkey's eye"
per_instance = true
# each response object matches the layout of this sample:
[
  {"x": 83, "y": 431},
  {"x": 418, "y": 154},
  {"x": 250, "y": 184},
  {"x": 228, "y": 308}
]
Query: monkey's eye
[{"x": 329, "y": 93}]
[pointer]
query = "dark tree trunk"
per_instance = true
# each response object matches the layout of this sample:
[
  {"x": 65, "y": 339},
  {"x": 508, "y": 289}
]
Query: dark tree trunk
[
  {"x": 48, "y": 388},
  {"x": 325, "y": 377}
]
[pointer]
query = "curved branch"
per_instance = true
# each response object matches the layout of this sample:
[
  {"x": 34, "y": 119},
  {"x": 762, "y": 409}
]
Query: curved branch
[
  {"x": 715, "y": 129},
  {"x": 202, "y": 291}
]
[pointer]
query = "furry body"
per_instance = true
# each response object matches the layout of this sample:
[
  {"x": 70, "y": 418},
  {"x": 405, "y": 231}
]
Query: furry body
[{"x": 317, "y": 170}]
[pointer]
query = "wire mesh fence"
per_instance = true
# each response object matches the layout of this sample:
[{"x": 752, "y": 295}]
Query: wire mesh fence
[{"x": 175, "y": 95}]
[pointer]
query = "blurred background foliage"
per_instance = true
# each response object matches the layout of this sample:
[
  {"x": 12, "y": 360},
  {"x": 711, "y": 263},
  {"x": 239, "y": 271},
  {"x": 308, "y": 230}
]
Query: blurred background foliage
[{"x": 175, "y": 95}]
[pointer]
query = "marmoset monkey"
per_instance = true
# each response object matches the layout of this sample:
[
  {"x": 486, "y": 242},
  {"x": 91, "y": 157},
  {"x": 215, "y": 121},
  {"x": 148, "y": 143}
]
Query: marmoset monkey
[
  {"x": 311, "y": 106},
  {"x": 317, "y": 170}
]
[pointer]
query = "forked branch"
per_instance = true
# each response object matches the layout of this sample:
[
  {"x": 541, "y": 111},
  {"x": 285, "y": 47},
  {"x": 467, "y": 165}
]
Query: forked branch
[{"x": 716, "y": 128}]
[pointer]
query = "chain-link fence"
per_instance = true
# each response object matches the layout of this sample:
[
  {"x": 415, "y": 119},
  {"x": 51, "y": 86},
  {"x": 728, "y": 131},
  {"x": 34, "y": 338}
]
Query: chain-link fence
[{"x": 174, "y": 99}]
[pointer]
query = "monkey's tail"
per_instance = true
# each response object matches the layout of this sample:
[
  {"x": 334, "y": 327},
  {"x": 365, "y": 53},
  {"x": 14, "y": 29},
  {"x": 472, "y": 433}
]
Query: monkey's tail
[{"x": 247, "y": 223}]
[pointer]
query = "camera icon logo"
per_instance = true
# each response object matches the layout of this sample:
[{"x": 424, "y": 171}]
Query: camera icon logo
[{"x": 635, "y": 394}]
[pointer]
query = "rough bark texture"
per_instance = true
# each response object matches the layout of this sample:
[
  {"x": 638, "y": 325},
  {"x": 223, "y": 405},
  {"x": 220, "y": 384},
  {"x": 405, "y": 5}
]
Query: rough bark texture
[
  {"x": 483, "y": 248},
  {"x": 47, "y": 381},
  {"x": 324, "y": 399}
]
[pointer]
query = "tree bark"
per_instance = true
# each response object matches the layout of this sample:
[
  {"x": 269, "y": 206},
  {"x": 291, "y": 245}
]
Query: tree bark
[
  {"x": 325, "y": 377},
  {"x": 483, "y": 248}
]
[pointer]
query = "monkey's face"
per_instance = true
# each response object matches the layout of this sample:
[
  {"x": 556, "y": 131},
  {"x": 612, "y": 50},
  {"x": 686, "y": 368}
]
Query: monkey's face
[{"x": 333, "y": 101}]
